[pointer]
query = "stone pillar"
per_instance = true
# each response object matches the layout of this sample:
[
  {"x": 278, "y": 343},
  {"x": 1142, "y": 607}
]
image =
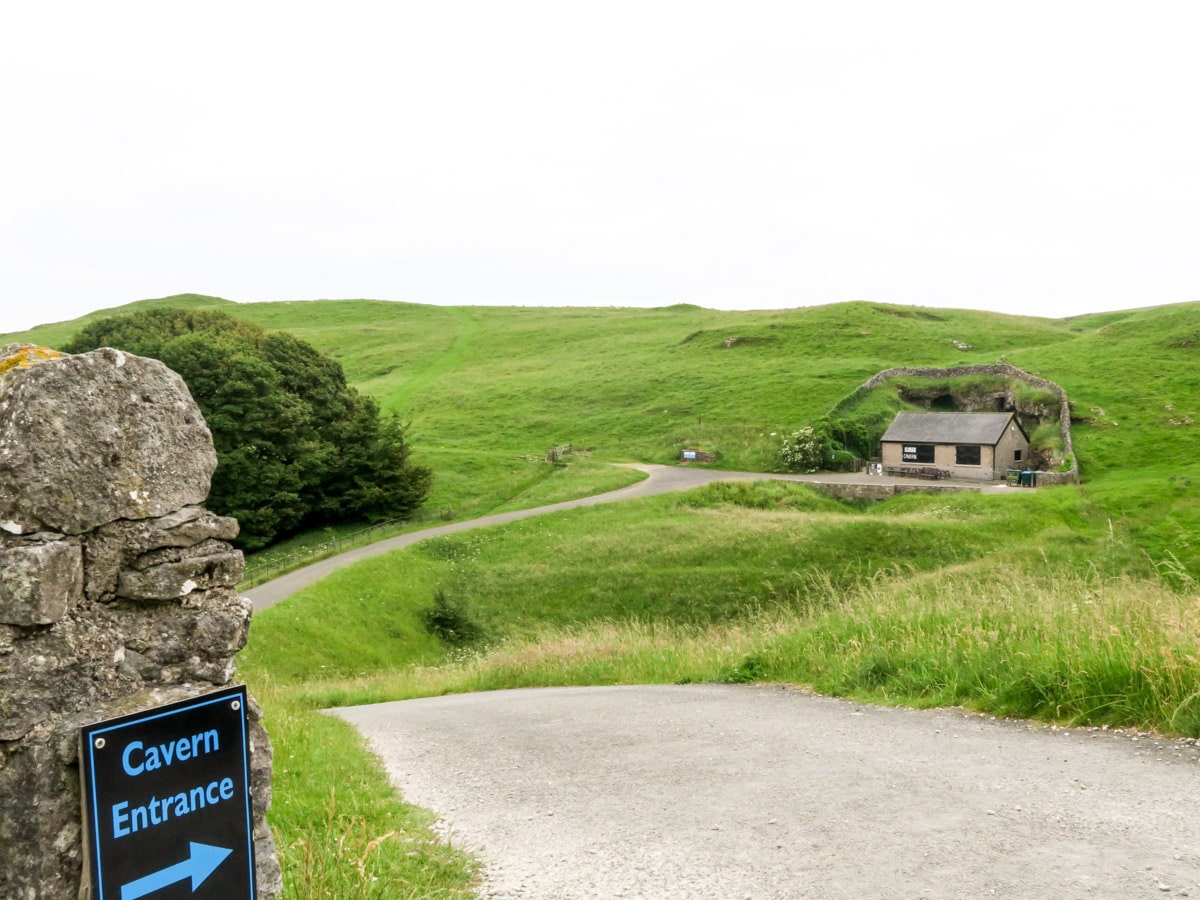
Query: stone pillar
[{"x": 117, "y": 589}]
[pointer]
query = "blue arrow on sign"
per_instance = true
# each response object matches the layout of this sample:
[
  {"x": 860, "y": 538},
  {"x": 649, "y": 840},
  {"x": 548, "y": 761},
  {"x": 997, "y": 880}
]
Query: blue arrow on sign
[{"x": 202, "y": 862}]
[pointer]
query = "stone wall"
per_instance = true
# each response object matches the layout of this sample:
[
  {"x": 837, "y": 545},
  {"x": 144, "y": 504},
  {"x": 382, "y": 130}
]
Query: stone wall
[
  {"x": 882, "y": 490},
  {"x": 1003, "y": 370},
  {"x": 116, "y": 589}
]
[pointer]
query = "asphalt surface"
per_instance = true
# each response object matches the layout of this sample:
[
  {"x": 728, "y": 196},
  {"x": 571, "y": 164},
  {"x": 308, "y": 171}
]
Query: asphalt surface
[
  {"x": 659, "y": 480},
  {"x": 720, "y": 791}
]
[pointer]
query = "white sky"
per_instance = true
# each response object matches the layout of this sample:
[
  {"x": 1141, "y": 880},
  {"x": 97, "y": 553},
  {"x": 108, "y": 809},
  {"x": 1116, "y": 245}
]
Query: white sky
[{"x": 1031, "y": 157}]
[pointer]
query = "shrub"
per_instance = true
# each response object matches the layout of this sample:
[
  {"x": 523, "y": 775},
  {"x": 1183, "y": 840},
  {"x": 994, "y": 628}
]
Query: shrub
[
  {"x": 859, "y": 437},
  {"x": 841, "y": 461},
  {"x": 803, "y": 450},
  {"x": 451, "y": 621}
]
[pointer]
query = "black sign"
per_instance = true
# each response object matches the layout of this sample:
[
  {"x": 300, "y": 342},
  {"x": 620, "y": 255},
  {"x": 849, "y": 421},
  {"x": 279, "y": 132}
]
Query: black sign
[
  {"x": 918, "y": 453},
  {"x": 166, "y": 802}
]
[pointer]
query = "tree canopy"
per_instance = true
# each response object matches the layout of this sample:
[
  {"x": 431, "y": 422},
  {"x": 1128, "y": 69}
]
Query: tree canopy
[{"x": 296, "y": 446}]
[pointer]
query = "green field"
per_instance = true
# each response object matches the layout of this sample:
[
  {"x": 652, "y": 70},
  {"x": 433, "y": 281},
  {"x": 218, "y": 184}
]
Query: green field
[{"x": 1070, "y": 604}]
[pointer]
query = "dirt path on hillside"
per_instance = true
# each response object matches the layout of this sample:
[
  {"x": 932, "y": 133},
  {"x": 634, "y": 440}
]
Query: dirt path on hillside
[
  {"x": 659, "y": 480},
  {"x": 718, "y": 791}
]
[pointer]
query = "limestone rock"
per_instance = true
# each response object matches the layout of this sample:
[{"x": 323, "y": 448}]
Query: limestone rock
[
  {"x": 92, "y": 438},
  {"x": 190, "y": 643},
  {"x": 117, "y": 545},
  {"x": 39, "y": 582},
  {"x": 210, "y": 625},
  {"x": 58, "y": 670},
  {"x": 116, "y": 590},
  {"x": 168, "y": 574},
  {"x": 40, "y": 827},
  {"x": 268, "y": 874}
]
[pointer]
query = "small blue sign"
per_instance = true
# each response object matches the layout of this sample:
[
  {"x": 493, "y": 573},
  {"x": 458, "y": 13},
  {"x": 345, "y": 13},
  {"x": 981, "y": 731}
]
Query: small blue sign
[{"x": 166, "y": 797}]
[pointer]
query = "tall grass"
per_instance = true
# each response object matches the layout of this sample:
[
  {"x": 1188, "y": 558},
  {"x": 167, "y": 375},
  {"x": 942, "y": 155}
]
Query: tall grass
[
  {"x": 1079, "y": 650},
  {"x": 1082, "y": 649}
]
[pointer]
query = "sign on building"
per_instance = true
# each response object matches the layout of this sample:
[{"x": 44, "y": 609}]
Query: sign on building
[
  {"x": 166, "y": 802},
  {"x": 917, "y": 453}
]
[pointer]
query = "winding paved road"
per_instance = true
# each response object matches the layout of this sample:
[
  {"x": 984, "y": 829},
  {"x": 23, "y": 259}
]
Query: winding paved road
[{"x": 659, "y": 480}]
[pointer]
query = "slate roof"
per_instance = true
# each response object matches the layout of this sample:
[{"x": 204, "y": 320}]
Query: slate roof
[{"x": 948, "y": 428}]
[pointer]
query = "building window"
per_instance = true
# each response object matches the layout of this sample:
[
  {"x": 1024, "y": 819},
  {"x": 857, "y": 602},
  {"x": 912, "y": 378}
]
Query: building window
[
  {"x": 967, "y": 455},
  {"x": 1016, "y": 456},
  {"x": 916, "y": 453}
]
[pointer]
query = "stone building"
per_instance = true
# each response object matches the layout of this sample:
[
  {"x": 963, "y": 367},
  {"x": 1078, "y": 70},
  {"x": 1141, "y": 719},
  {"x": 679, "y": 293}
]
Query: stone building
[{"x": 957, "y": 445}]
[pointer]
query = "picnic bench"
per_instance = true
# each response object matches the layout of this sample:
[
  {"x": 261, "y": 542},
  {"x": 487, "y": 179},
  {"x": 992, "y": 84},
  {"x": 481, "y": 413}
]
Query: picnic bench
[{"x": 917, "y": 472}]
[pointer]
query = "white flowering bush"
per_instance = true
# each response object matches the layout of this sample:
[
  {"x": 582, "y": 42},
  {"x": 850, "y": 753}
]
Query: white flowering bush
[{"x": 803, "y": 450}]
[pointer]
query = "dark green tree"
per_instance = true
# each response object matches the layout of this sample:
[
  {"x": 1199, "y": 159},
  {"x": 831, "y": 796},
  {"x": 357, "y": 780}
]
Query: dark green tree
[{"x": 296, "y": 446}]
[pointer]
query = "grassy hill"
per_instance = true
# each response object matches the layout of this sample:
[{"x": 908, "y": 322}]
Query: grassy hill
[
  {"x": 486, "y": 387},
  {"x": 640, "y": 384},
  {"x": 1072, "y": 604}
]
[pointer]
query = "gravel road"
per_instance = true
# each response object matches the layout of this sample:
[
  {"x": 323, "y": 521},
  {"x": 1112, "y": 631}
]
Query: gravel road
[{"x": 721, "y": 791}]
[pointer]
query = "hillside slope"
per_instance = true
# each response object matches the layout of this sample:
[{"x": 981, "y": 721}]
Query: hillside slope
[{"x": 488, "y": 388}]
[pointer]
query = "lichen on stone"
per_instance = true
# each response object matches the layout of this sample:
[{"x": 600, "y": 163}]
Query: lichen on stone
[{"x": 22, "y": 356}]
